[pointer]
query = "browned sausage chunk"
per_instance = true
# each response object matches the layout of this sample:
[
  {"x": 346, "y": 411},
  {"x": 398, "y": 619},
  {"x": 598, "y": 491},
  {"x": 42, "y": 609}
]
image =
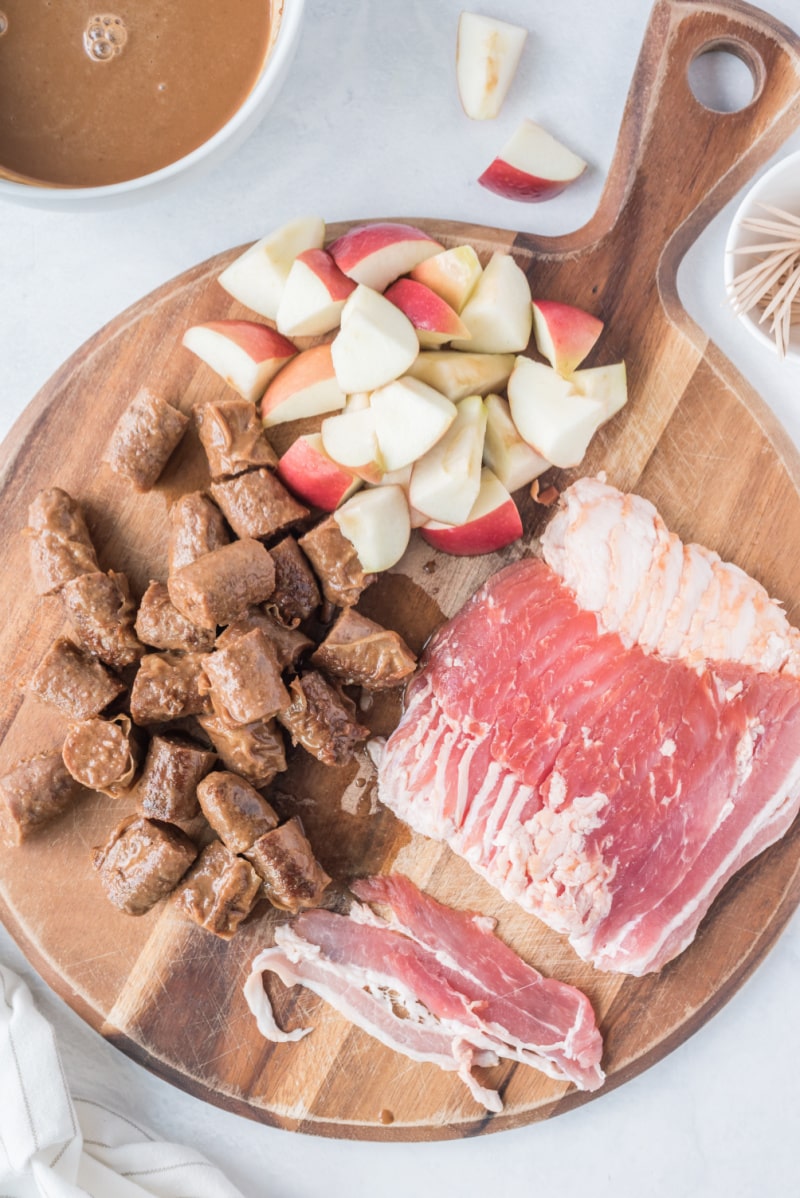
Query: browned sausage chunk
[
  {"x": 160, "y": 624},
  {"x": 196, "y": 526},
  {"x": 236, "y": 811},
  {"x": 142, "y": 861},
  {"x": 257, "y": 504},
  {"x": 232, "y": 437},
  {"x": 219, "y": 891},
  {"x": 244, "y": 680},
  {"x": 256, "y": 751},
  {"x": 322, "y": 720},
  {"x": 74, "y": 681},
  {"x": 288, "y": 643},
  {"x": 101, "y": 611},
  {"x": 167, "y": 687},
  {"x": 167, "y": 788},
  {"x": 362, "y": 653},
  {"x": 293, "y": 878},
  {"x": 221, "y": 585},
  {"x": 60, "y": 545},
  {"x": 145, "y": 437},
  {"x": 335, "y": 563},
  {"x": 296, "y": 595},
  {"x": 102, "y": 754},
  {"x": 32, "y": 794}
]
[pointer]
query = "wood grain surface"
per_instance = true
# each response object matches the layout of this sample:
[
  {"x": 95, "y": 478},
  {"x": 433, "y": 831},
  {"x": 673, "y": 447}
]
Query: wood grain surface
[{"x": 695, "y": 439}]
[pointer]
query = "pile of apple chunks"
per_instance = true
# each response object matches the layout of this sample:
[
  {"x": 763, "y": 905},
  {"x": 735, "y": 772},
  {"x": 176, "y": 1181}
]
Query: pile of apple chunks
[{"x": 432, "y": 415}]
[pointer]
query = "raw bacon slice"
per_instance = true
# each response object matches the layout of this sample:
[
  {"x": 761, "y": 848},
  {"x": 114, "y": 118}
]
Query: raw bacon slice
[{"x": 434, "y": 984}]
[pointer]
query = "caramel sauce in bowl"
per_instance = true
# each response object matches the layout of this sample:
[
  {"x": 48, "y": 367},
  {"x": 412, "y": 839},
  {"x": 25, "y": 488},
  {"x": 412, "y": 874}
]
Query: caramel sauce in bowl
[{"x": 162, "y": 142}]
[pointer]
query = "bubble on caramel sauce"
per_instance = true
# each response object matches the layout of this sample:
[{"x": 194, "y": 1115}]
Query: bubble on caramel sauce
[
  {"x": 104, "y": 37},
  {"x": 3, "y": 23}
]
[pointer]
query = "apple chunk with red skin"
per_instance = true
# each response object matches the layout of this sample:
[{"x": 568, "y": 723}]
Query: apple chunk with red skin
[
  {"x": 307, "y": 386},
  {"x": 313, "y": 476},
  {"x": 245, "y": 354},
  {"x": 435, "y": 321},
  {"x": 379, "y": 253},
  {"x": 451, "y": 274},
  {"x": 532, "y": 166},
  {"x": 313, "y": 296},
  {"x": 257, "y": 277},
  {"x": 493, "y": 522},
  {"x": 564, "y": 334},
  {"x": 378, "y": 525},
  {"x": 487, "y": 55}
]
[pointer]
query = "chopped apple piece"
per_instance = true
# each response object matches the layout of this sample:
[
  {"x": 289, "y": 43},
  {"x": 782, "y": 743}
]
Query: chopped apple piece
[
  {"x": 498, "y": 314},
  {"x": 257, "y": 277},
  {"x": 532, "y": 166},
  {"x": 487, "y": 56},
  {"x": 246, "y": 354},
  {"x": 377, "y": 524},
  {"x": 357, "y": 401},
  {"x": 458, "y": 374},
  {"x": 505, "y": 452},
  {"x": 313, "y": 296},
  {"x": 350, "y": 439},
  {"x": 607, "y": 384},
  {"x": 564, "y": 335},
  {"x": 445, "y": 482},
  {"x": 550, "y": 414},
  {"x": 410, "y": 417},
  {"x": 376, "y": 343},
  {"x": 451, "y": 274},
  {"x": 306, "y": 387},
  {"x": 493, "y": 522},
  {"x": 379, "y": 253},
  {"x": 313, "y": 476},
  {"x": 435, "y": 321}
]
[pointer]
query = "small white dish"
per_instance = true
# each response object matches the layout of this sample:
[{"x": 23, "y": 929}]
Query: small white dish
[{"x": 779, "y": 188}]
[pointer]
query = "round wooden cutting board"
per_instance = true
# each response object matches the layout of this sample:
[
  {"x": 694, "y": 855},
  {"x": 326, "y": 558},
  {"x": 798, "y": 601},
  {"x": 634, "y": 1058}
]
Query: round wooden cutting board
[{"x": 694, "y": 439}]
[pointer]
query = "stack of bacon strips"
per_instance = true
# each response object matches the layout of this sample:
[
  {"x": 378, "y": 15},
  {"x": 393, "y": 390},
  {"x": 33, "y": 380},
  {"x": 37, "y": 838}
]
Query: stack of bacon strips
[
  {"x": 609, "y": 735},
  {"x": 434, "y": 984}
]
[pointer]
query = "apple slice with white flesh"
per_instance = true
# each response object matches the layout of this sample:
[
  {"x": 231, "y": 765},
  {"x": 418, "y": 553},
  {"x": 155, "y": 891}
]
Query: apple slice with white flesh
[
  {"x": 493, "y": 522},
  {"x": 498, "y": 314},
  {"x": 445, "y": 482},
  {"x": 313, "y": 296},
  {"x": 607, "y": 384},
  {"x": 357, "y": 401},
  {"x": 410, "y": 417},
  {"x": 505, "y": 452},
  {"x": 451, "y": 274},
  {"x": 379, "y": 253},
  {"x": 313, "y": 476},
  {"x": 550, "y": 414},
  {"x": 246, "y": 354},
  {"x": 305, "y": 387},
  {"x": 487, "y": 56},
  {"x": 351, "y": 440},
  {"x": 377, "y": 524},
  {"x": 457, "y": 374},
  {"x": 564, "y": 334},
  {"x": 435, "y": 321},
  {"x": 257, "y": 277},
  {"x": 376, "y": 343},
  {"x": 532, "y": 166}
]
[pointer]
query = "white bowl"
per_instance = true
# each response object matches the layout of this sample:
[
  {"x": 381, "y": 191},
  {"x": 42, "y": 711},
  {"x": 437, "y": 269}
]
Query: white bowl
[
  {"x": 780, "y": 188},
  {"x": 210, "y": 153}
]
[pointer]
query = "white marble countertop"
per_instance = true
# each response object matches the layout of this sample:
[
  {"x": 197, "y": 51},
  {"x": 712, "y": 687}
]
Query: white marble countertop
[{"x": 369, "y": 125}]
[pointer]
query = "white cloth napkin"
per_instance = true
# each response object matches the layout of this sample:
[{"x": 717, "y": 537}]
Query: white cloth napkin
[{"x": 52, "y": 1146}]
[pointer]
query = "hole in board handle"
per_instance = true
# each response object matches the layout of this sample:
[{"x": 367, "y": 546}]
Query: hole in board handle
[{"x": 726, "y": 76}]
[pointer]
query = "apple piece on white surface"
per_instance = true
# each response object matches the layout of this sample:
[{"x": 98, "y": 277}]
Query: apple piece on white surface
[
  {"x": 313, "y": 296},
  {"x": 377, "y": 524},
  {"x": 550, "y": 414},
  {"x": 435, "y": 321},
  {"x": 498, "y": 314},
  {"x": 246, "y": 354},
  {"x": 457, "y": 374},
  {"x": 493, "y": 522},
  {"x": 350, "y": 439},
  {"x": 445, "y": 482},
  {"x": 487, "y": 56},
  {"x": 607, "y": 384},
  {"x": 257, "y": 277},
  {"x": 564, "y": 334},
  {"x": 305, "y": 387},
  {"x": 532, "y": 166},
  {"x": 410, "y": 417},
  {"x": 451, "y": 274},
  {"x": 505, "y": 452},
  {"x": 379, "y": 253},
  {"x": 313, "y": 476},
  {"x": 376, "y": 343}
]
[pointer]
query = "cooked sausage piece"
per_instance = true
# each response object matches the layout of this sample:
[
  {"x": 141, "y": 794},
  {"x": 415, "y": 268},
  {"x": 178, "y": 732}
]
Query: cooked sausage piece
[
  {"x": 142, "y": 861},
  {"x": 232, "y": 437},
  {"x": 293, "y": 878},
  {"x": 102, "y": 754},
  {"x": 74, "y": 681},
  {"x": 196, "y": 526},
  {"x": 296, "y": 595},
  {"x": 255, "y": 751},
  {"x": 335, "y": 563},
  {"x": 101, "y": 610},
  {"x": 173, "y": 767},
  {"x": 288, "y": 643},
  {"x": 322, "y": 720},
  {"x": 222, "y": 584},
  {"x": 60, "y": 546},
  {"x": 257, "y": 504},
  {"x": 32, "y": 794},
  {"x": 361, "y": 653},
  {"x": 146, "y": 435},
  {"x": 219, "y": 891},
  {"x": 167, "y": 687},
  {"x": 244, "y": 680},
  {"x": 161, "y": 625},
  {"x": 236, "y": 811}
]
